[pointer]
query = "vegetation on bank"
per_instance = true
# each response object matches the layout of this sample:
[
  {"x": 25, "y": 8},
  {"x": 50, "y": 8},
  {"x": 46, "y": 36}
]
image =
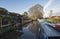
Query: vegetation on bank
[
  {"x": 53, "y": 20},
  {"x": 8, "y": 20},
  {"x": 12, "y": 19}
]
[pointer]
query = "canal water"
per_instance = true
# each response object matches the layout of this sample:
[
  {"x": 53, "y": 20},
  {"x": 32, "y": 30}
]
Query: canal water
[{"x": 30, "y": 31}]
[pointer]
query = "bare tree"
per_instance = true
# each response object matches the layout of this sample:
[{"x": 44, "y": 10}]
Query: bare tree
[{"x": 37, "y": 10}]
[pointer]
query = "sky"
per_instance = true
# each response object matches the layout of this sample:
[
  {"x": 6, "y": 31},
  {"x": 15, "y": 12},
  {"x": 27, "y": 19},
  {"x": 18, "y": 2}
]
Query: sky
[
  {"x": 53, "y": 5},
  {"x": 21, "y": 6}
]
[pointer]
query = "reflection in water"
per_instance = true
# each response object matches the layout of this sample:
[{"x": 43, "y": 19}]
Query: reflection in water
[
  {"x": 33, "y": 26},
  {"x": 30, "y": 31}
]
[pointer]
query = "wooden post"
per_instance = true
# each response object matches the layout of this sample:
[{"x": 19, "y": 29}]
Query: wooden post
[
  {"x": 22, "y": 20},
  {"x": 0, "y": 21}
]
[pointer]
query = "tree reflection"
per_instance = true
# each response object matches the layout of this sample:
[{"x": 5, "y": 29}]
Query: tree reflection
[{"x": 35, "y": 25}]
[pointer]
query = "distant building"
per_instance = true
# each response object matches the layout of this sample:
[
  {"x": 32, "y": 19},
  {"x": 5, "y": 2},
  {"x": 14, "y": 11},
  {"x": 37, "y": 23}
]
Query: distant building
[
  {"x": 50, "y": 13},
  {"x": 55, "y": 17},
  {"x": 54, "y": 14}
]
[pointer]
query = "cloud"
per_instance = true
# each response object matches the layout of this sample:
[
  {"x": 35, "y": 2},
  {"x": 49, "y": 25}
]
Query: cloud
[
  {"x": 56, "y": 8},
  {"x": 49, "y": 2},
  {"x": 44, "y": 9}
]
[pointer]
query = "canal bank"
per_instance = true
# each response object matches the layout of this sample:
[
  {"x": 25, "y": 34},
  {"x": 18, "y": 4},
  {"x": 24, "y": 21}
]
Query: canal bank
[{"x": 29, "y": 32}]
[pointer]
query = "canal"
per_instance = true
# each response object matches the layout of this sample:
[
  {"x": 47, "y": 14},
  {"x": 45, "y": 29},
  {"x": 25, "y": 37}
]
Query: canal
[{"x": 30, "y": 31}]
